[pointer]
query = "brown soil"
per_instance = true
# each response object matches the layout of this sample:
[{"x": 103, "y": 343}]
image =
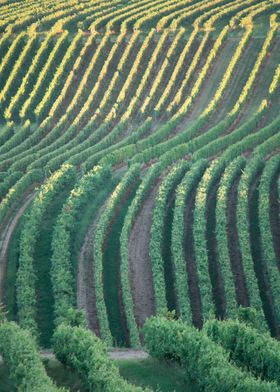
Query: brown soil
[
  {"x": 140, "y": 271},
  {"x": 169, "y": 271},
  {"x": 6, "y": 237},
  {"x": 234, "y": 249},
  {"x": 86, "y": 298},
  {"x": 194, "y": 291}
]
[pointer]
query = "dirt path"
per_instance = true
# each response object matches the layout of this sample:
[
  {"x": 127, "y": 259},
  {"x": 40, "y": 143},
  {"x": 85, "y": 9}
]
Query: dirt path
[
  {"x": 140, "y": 271},
  {"x": 86, "y": 298},
  {"x": 5, "y": 240},
  {"x": 128, "y": 354},
  {"x": 114, "y": 354}
]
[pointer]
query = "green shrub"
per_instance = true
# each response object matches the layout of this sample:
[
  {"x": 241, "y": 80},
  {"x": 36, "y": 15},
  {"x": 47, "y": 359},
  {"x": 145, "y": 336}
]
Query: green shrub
[
  {"x": 250, "y": 349},
  {"x": 83, "y": 351},
  {"x": 20, "y": 354},
  {"x": 205, "y": 362}
]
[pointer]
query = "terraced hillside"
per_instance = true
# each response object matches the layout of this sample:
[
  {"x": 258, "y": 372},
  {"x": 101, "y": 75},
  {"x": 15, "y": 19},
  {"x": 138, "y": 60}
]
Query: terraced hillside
[{"x": 139, "y": 163}]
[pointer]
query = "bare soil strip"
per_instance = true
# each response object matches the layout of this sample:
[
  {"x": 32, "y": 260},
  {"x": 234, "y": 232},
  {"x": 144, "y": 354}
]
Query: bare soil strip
[
  {"x": 86, "y": 298},
  {"x": 6, "y": 237},
  {"x": 169, "y": 273},
  {"x": 234, "y": 249},
  {"x": 114, "y": 354},
  {"x": 140, "y": 271},
  {"x": 113, "y": 295},
  {"x": 128, "y": 354}
]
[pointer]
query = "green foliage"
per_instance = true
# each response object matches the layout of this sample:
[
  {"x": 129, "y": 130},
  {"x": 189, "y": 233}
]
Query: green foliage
[
  {"x": 156, "y": 242},
  {"x": 11, "y": 57},
  {"x": 8, "y": 182},
  {"x": 231, "y": 173},
  {"x": 20, "y": 354},
  {"x": 209, "y": 177},
  {"x": 26, "y": 293},
  {"x": 26, "y": 110},
  {"x": 80, "y": 349},
  {"x": 183, "y": 192},
  {"x": 62, "y": 273},
  {"x": 205, "y": 362},
  {"x": 148, "y": 181},
  {"x": 54, "y": 87},
  {"x": 120, "y": 93},
  {"x": 27, "y": 82},
  {"x": 6, "y": 132},
  {"x": 99, "y": 239},
  {"x": 12, "y": 82},
  {"x": 268, "y": 176},
  {"x": 17, "y": 138},
  {"x": 159, "y": 375},
  {"x": 2, "y": 314},
  {"x": 251, "y": 317},
  {"x": 254, "y": 167},
  {"x": 249, "y": 348}
]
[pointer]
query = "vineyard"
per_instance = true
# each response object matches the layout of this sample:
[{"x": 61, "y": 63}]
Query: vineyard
[{"x": 139, "y": 177}]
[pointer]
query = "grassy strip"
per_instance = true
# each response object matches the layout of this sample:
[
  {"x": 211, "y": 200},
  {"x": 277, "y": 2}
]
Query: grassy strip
[{"x": 149, "y": 373}]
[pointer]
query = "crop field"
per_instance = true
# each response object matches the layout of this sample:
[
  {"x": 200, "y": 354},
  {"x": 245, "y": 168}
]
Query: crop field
[{"x": 139, "y": 177}]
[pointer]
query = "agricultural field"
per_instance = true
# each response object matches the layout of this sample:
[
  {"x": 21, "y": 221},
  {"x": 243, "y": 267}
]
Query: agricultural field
[{"x": 140, "y": 194}]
